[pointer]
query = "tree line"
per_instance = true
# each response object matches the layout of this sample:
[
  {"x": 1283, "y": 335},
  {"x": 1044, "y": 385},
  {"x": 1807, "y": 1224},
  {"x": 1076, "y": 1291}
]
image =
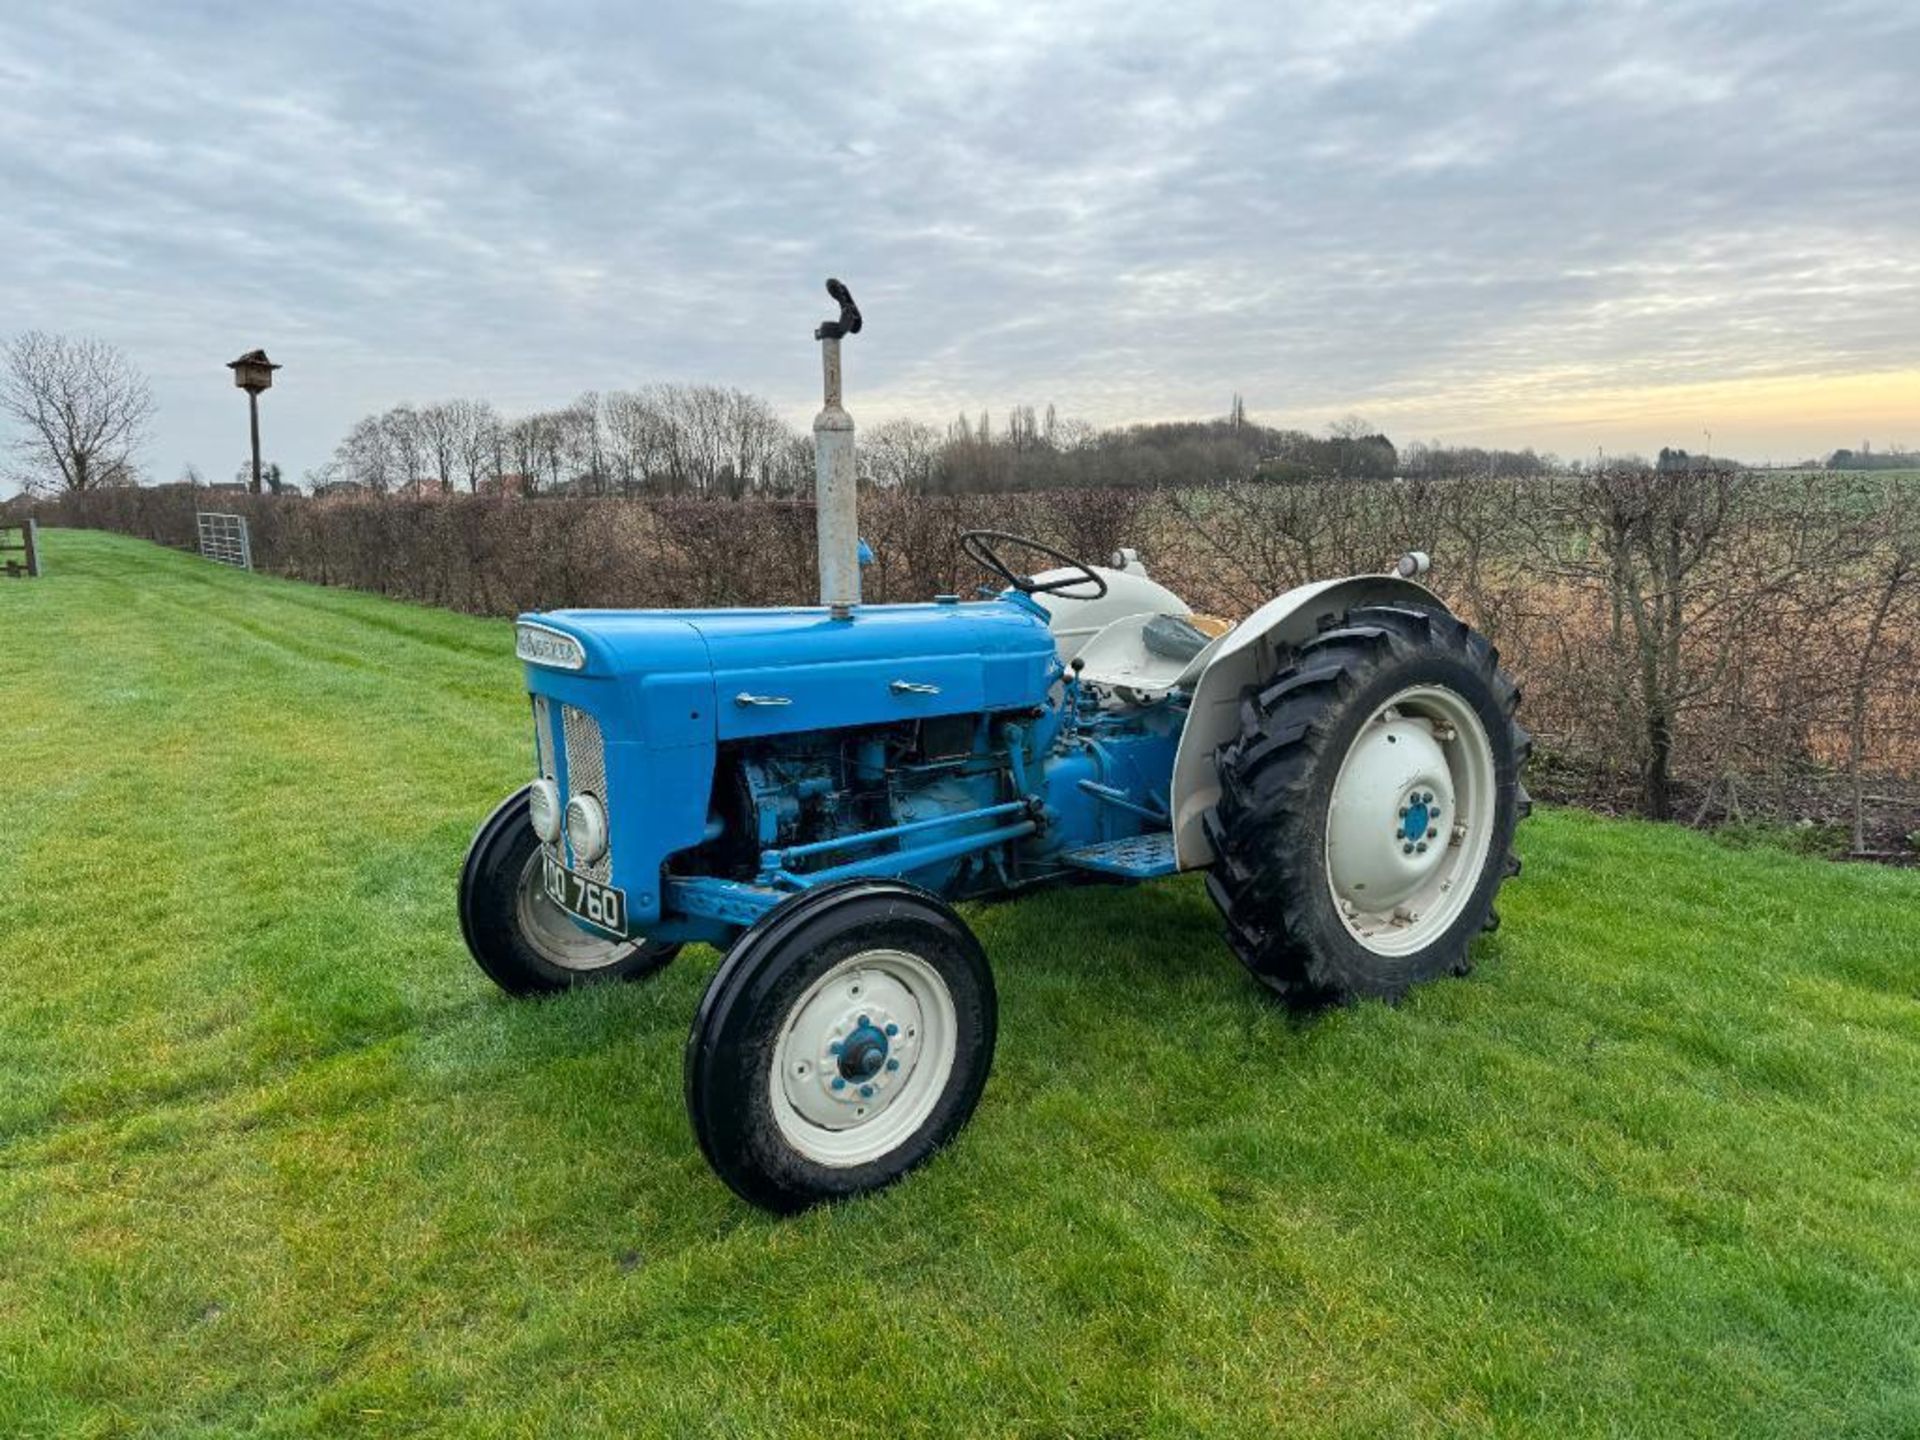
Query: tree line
[
  {"x": 705, "y": 441},
  {"x": 83, "y": 413},
  {"x": 1867, "y": 458},
  {"x": 715, "y": 442}
]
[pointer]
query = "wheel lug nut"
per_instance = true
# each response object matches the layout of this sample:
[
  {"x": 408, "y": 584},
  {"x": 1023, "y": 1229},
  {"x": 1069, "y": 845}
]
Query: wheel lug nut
[
  {"x": 1433, "y": 834},
  {"x": 865, "y": 1021},
  {"x": 893, "y": 1029},
  {"x": 1406, "y": 849},
  {"x": 1421, "y": 847},
  {"x": 1403, "y": 811},
  {"x": 839, "y": 1082},
  {"x": 866, "y": 1092},
  {"x": 893, "y": 1064}
]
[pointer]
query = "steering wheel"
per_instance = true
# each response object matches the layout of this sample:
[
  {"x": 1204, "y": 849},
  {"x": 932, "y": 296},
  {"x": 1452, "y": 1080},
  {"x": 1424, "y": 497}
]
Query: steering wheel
[{"x": 978, "y": 546}]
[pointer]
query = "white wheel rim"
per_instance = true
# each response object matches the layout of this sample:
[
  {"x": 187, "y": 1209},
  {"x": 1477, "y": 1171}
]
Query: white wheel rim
[
  {"x": 556, "y": 936},
  {"x": 1411, "y": 820},
  {"x": 882, "y": 1024}
]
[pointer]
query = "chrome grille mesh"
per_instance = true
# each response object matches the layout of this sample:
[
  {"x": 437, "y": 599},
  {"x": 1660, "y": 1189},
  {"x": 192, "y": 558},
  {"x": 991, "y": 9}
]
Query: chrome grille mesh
[
  {"x": 586, "y": 774},
  {"x": 584, "y": 752}
]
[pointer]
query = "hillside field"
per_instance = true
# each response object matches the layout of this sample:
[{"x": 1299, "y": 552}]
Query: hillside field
[{"x": 275, "y": 1160}]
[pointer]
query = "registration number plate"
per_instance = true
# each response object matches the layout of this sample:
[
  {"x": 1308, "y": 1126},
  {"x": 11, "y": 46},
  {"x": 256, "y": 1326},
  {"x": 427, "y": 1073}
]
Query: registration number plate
[{"x": 602, "y": 906}]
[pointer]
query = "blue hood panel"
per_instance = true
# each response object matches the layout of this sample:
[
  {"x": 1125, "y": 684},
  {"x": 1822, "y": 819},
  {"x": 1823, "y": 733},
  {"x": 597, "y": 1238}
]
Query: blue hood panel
[{"x": 777, "y": 672}]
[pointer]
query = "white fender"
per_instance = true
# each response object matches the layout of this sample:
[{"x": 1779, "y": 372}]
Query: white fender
[
  {"x": 1074, "y": 621},
  {"x": 1245, "y": 655}
]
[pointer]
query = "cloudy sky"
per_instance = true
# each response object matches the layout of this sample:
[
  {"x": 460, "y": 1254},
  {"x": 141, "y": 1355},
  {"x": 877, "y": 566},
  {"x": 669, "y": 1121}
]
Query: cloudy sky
[{"x": 1571, "y": 225}]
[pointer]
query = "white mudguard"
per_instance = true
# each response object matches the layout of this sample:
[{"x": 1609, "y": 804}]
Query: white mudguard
[
  {"x": 1246, "y": 655},
  {"x": 1129, "y": 592}
]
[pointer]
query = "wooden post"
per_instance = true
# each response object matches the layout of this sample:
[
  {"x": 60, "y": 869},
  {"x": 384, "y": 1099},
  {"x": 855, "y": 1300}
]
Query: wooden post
[
  {"x": 253, "y": 416},
  {"x": 28, "y": 546}
]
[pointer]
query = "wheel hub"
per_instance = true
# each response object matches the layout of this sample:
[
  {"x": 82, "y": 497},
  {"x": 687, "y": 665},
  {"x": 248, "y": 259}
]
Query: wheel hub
[
  {"x": 864, "y": 1052},
  {"x": 851, "y": 1048},
  {"x": 1410, "y": 819},
  {"x": 864, "y": 1056},
  {"x": 1383, "y": 836}
]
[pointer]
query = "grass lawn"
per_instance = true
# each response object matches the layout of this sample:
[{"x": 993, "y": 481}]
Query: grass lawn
[{"x": 276, "y": 1160}]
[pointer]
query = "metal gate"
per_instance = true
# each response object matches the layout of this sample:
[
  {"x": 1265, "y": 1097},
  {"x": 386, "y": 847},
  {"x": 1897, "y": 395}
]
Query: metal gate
[{"x": 224, "y": 538}]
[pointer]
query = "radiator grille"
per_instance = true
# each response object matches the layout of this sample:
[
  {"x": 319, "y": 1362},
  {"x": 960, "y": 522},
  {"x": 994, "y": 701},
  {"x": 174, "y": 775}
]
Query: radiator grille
[
  {"x": 574, "y": 741},
  {"x": 586, "y": 774}
]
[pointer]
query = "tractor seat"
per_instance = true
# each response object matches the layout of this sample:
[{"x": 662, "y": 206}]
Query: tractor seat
[
  {"x": 1172, "y": 637},
  {"x": 1142, "y": 657}
]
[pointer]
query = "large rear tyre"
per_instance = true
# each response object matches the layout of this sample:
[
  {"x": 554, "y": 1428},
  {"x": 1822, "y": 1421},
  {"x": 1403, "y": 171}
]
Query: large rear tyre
[
  {"x": 846, "y": 1037},
  {"x": 1367, "y": 808},
  {"x": 525, "y": 943}
]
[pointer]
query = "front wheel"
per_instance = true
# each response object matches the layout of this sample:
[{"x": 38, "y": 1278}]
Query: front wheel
[
  {"x": 1368, "y": 806},
  {"x": 526, "y": 944},
  {"x": 846, "y": 1037}
]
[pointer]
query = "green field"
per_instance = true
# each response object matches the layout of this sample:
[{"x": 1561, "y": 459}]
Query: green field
[{"x": 275, "y": 1160}]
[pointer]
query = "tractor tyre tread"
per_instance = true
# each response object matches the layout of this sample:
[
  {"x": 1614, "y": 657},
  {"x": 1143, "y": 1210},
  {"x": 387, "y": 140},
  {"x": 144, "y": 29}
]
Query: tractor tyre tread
[{"x": 1268, "y": 834}]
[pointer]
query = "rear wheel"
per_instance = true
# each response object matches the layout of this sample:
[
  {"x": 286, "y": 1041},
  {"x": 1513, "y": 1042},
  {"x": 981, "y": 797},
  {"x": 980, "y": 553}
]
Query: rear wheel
[
  {"x": 846, "y": 1038},
  {"x": 526, "y": 944},
  {"x": 1368, "y": 806}
]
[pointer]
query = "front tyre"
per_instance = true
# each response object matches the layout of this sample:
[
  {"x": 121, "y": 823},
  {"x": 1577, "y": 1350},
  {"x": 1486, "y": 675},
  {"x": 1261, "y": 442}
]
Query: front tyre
[
  {"x": 526, "y": 944},
  {"x": 1367, "y": 808},
  {"x": 846, "y": 1037}
]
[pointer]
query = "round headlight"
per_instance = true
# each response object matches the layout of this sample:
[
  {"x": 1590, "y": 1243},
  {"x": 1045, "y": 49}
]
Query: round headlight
[
  {"x": 543, "y": 807},
  {"x": 586, "y": 828}
]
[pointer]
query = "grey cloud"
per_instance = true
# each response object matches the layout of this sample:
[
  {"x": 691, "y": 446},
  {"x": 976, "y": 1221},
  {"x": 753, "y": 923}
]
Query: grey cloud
[{"x": 1442, "y": 211}]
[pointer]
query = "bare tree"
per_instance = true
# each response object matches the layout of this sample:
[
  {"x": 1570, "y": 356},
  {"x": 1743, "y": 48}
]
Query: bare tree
[
  {"x": 1694, "y": 567},
  {"x": 1893, "y": 577},
  {"x": 526, "y": 447},
  {"x": 581, "y": 447},
  {"x": 406, "y": 444},
  {"x": 440, "y": 439},
  {"x": 900, "y": 455},
  {"x": 478, "y": 441},
  {"x": 701, "y": 440},
  {"x": 83, "y": 409},
  {"x": 365, "y": 457},
  {"x": 634, "y": 428}
]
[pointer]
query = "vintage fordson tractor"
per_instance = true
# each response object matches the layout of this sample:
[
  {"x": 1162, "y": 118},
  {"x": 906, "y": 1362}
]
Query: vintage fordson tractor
[{"x": 809, "y": 790}]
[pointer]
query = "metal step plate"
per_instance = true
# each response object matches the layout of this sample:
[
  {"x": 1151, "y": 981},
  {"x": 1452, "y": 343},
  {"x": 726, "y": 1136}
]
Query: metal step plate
[{"x": 1139, "y": 857}]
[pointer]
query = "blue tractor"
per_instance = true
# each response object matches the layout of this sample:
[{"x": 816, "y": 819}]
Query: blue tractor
[{"x": 811, "y": 789}]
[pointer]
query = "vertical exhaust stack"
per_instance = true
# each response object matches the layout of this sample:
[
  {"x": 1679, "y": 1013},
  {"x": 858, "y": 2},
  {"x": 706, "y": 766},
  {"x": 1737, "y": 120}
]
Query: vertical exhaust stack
[{"x": 836, "y": 492}]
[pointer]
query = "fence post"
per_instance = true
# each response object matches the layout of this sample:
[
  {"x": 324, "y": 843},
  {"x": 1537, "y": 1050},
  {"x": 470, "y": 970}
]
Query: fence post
[{"x": 28, "y": 546}]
